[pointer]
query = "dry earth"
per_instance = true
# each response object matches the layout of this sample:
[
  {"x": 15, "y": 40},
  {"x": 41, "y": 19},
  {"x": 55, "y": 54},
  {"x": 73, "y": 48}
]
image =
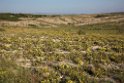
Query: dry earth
[{"x": 76, "y": 20}]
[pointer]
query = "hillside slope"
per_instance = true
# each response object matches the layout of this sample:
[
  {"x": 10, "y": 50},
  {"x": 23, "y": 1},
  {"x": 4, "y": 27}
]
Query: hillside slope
[{"x": 55, "y": 20}]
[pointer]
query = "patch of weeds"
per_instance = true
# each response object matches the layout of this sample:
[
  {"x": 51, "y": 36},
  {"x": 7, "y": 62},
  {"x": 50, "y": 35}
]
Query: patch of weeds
[
  {"x": 81, "y": 32},
  {"x": 32, "y": 25},
  {"x": 117, "y": 75},
  {"x": 2, "y": 29}
]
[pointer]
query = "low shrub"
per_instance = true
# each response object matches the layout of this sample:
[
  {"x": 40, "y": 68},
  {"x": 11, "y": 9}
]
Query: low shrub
[
  {"x": 2, "y": 29},
  {"x": 81, "y": 32}
]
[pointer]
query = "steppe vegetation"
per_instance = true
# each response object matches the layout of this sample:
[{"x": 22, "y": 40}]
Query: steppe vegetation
[{"x": 90, "y": 53}]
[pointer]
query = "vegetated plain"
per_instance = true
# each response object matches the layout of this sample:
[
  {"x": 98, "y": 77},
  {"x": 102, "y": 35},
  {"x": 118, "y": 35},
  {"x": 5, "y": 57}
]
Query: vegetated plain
[{"x": 74, "y": 52}]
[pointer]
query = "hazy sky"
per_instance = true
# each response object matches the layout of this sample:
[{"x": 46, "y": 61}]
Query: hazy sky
[{"x": 61, "y": 6}]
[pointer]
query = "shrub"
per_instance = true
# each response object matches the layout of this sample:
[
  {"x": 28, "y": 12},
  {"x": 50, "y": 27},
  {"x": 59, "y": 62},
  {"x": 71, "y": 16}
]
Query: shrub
[
  {"x": 100, "y": 15},
  {"x": 2, "y": 29},
  {"x": 120, "y": 30},
  {"x": 81, "y": 32},
  {"x": 32, "y": 25},
  {"x": 9, "y": 17}
]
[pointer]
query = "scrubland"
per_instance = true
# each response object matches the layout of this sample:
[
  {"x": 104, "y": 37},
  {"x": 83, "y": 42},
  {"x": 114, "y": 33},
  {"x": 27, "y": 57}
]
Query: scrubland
[{"x": 63, "y": 53}]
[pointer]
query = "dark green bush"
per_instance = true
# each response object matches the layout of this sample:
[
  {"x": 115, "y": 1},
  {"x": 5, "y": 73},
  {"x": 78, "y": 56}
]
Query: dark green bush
[
  {"x": 100, "y": 15},
  {"x": 9, "y": 17}
]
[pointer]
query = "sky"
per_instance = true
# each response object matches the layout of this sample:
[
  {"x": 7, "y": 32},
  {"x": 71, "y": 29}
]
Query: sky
[{"x": 61, "y": 6}]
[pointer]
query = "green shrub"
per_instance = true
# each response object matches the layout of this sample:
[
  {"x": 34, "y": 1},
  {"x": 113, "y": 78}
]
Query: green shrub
[
  {"x": 9, "y": 17},
  {"x": 100, "y": 15}
]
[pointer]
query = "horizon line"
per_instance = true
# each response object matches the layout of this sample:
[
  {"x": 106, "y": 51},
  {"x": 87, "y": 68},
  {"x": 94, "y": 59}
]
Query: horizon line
[{"x": 60, "y": 13}]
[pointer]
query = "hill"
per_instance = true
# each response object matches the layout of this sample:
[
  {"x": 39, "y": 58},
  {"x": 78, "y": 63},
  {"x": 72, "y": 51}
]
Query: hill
[{"x": 24, "y": 20}]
